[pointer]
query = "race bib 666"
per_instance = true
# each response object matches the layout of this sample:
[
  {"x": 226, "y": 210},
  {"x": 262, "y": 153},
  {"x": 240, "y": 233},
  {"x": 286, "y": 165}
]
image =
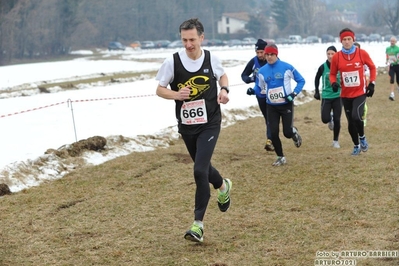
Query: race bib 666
[{"x": 194, "y": 112}]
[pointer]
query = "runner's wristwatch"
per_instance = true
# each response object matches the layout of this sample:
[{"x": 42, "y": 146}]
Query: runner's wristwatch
[{"x": 225, "y": 88}]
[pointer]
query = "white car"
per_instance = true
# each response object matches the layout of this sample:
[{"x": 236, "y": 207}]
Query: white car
[
  {"x": 249, "y": 41},
  {"x": 147, "y": 45},
  {"x": 295, "y": 39}
]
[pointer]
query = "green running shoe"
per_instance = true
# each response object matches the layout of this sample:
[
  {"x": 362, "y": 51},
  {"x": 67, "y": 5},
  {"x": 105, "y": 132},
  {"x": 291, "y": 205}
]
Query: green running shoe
[
  {"x": 195, "y": 234},
  {"x": 224, "y": 198}
]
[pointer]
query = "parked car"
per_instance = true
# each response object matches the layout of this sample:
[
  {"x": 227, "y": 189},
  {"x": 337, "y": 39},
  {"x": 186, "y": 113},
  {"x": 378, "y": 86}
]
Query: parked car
[
  {"x": 361, "y": 37},
  {"x": 295, "y": 39},
  {"x": 147, "y": 45},
  {"x": 205, "y": 42},
  {"x": 161, "y": 43},
  {"x": 234, "y": 42},
  {"x": 249, "y": 41},
  {"x": 135, "y": 45},
  {"x": 116, "y": 46},
  {"x": 387, "y": 37},
  {"x": 326, "y": 38},
  {"x": 215, "y": 42},
  {"x": 282, "y": 41},
  {"x": 375, "y": 37},
  {"x": 270, "y": 41},
  {"x": 176, "y": 44},
  {"x": 312, "y": 39}
]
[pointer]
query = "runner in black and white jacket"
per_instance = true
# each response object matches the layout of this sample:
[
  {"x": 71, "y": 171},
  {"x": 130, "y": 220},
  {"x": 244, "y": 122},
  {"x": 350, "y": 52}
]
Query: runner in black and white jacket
[{"x": 249, "y": 75}]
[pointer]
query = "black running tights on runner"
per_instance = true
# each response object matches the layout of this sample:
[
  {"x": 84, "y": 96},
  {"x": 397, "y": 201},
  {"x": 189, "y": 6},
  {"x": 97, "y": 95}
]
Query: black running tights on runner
[
  {"x": 394, "y": 70},
  {"x": 200, "y": 148},
  {"x": 334, "y": 105},
  {"x": 263, "y": 108},
  {"x": 354, "y": 108},
  {"x": 284, "y": 112}
]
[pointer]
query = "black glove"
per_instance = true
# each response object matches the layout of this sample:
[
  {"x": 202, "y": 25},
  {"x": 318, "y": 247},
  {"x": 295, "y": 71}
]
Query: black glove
[
  {"x": 290, "y": 97},
  {"x": 335, "y": 87},
  {"x": 370, "y": 90},
  {"x": 250, "y": 91},
  {"x": 317, "y": 95}
]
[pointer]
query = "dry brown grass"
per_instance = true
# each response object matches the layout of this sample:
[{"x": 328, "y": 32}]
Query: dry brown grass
[{"x": 135, "y": 209}]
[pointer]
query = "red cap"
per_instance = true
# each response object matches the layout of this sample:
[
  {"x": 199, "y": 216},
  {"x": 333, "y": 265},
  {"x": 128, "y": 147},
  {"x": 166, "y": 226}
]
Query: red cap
[
  {"x": 271, "y": 50},
  {"x": 347, "y": 34}
]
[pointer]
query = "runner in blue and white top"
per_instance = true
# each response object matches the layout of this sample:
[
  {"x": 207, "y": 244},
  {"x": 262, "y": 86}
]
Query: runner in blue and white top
[{"x": 275, "y": 78}]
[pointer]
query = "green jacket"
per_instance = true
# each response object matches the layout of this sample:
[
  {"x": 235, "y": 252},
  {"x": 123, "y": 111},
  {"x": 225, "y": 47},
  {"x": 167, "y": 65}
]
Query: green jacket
[{"x": 392, "y": 53}]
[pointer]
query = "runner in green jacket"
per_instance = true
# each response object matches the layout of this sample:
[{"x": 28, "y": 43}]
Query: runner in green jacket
[{"x": 392, "y": 60}]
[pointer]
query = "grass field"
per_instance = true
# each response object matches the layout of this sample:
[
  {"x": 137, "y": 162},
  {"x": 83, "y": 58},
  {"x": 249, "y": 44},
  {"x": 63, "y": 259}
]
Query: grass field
[{"x": 135, "y": 209}]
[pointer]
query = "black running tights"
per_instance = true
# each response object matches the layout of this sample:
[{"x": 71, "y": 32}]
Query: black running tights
[
  {"x": 354, "y": 108},
  {"x": 200, "y": 148}
]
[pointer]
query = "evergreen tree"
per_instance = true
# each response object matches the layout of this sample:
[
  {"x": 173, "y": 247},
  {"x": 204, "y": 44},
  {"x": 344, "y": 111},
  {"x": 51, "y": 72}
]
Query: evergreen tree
[
  {"x": 279, "y": 13},
  {"x": 68, "y": 10},
  {"x": 254, "y": 25}
]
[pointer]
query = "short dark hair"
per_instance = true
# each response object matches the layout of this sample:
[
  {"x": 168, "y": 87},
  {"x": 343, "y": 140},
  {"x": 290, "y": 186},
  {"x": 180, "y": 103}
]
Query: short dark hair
[
  {"x": 192, "y": 23},
  {"x": 345, "y": 30}
]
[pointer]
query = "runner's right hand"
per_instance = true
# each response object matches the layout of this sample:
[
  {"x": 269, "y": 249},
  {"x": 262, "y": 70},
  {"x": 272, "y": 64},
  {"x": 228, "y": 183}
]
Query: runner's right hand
[
  {"x": 335, "y": 87},
  {"x": 317, "y": 95},
  {"x": 250, "y": 91}
]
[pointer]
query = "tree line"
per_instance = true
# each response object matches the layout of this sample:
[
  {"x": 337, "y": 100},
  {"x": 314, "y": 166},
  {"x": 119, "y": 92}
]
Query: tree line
[{"x": 43, "y": 29}]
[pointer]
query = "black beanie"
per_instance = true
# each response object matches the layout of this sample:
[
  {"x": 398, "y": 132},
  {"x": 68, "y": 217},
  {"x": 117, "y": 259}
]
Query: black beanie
[
  {"x": 332, "y": 47},
  {"x": 260, "y": 45}
]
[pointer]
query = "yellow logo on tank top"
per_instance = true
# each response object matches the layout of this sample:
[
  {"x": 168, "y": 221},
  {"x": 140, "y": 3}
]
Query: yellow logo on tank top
[{"x": 198, "y": 85}]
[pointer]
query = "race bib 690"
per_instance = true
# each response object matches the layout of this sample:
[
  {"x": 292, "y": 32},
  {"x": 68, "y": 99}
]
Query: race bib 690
[{"x": 276, "y": 95}]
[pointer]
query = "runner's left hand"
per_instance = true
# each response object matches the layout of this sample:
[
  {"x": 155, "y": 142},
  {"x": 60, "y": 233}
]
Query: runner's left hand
[
  {"x": 223, "y": 97},
  {"x": 290, "y": 97}
]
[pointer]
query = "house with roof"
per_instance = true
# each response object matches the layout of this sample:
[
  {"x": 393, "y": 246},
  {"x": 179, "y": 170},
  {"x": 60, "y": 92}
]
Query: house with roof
[
  {"x": 345, "y": 16},
  {"x": 232, "y": 23}
]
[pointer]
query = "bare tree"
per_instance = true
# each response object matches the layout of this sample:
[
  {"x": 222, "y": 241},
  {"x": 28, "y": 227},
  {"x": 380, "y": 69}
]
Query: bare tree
[
  {"x": 302, "y": 15},
  {"x": 50, "y": 27},
  {"x": 388, "y": 12}
]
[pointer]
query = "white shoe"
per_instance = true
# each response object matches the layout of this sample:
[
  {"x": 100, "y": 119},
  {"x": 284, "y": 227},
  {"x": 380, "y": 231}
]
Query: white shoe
[
  {"x": 335, "y": 144},
  {"x": 392, "y": 96},
  {"x": 331, "y": 123},
  {"x": 280, "y": 161},
  {"x": 296, "y": 137}
]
